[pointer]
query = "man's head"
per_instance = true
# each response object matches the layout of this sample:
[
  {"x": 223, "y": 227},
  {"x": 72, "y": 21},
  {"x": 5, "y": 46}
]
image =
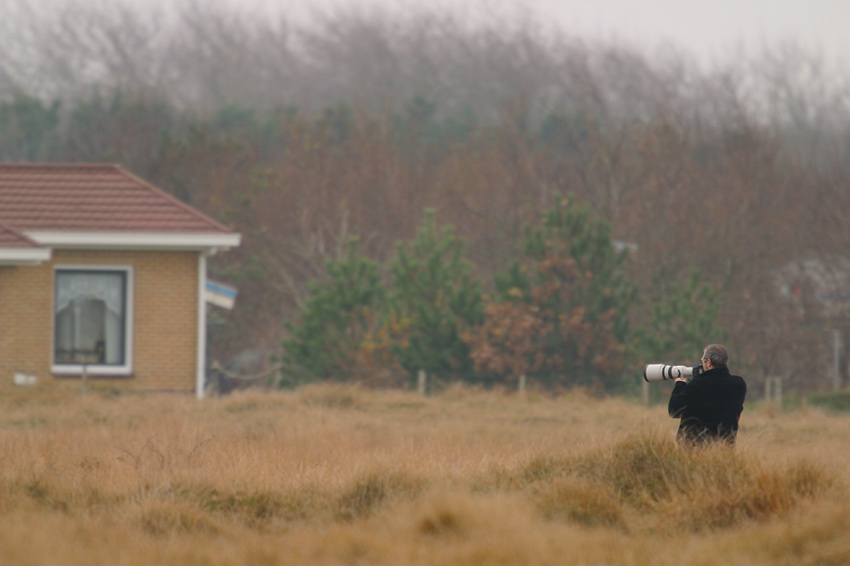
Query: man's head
[{"x": 714, "y": 356}]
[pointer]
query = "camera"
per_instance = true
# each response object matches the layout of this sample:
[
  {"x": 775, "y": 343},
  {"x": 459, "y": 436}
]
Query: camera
[{"x": 660, "y": 372}]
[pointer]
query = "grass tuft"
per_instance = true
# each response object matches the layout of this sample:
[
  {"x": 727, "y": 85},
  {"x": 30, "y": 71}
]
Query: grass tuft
[
  {"x": 333, "y": 396},
  {"x": 253, "y": 509},
  {"x": 369, "y": 493},
  {"x": 642, "y": 469},
  {"x": 702, "y": 488},
  {"x": 577, "y": 501},
  {"x": 725, "y": 496},
  {"x": 171, "y": 518},
  {"x": 459, "y": 515}
]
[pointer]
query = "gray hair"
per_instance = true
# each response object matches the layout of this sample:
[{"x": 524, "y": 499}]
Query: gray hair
[{"x": 717, "y": 354}]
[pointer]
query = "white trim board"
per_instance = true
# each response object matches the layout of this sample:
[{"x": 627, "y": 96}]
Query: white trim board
[
  {"x": 135, "y": 240},
  {"x": 16, "y": 256}
]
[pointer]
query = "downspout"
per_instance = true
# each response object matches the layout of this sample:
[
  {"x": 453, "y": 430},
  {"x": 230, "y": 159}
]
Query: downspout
[{"x": 201, "y": 361}]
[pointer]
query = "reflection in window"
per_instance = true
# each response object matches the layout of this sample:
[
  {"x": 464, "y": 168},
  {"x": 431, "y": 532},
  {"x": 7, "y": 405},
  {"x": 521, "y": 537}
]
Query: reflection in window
[{"x": 90, "y": 317}]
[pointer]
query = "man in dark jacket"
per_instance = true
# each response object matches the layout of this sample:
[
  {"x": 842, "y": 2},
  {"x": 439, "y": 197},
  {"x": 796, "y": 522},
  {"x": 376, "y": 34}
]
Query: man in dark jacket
[{"x": 711, "y": 403}]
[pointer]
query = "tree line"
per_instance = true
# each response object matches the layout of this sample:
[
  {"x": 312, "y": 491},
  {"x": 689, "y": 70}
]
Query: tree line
[{"x": 726, "y": 185}]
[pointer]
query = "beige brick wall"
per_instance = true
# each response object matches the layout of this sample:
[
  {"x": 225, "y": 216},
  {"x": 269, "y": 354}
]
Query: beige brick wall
[
  {"x": 165, "y": 287},
  {"x": 26, "y": 298}
]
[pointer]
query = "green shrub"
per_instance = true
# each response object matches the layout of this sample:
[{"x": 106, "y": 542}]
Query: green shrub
[{"x": 833, "y": 401}]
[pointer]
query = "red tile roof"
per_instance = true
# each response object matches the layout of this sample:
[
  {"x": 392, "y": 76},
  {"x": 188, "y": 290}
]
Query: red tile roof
[
  {"x": 91, "y": 198},
  {"x": 10, "y": 238}
]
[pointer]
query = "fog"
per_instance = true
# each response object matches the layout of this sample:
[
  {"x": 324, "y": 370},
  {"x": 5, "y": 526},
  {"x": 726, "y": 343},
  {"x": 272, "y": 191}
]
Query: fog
[{"x": 711, "y": 30}]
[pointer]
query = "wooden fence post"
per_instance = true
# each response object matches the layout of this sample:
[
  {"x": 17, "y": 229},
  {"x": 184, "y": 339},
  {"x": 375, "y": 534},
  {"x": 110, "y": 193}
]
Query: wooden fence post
[{"x": 421, "y": 382}]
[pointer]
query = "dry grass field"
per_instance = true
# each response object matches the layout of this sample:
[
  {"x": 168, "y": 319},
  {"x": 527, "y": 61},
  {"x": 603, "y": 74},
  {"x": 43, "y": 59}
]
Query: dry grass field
[{"x": 336, "y": 475}]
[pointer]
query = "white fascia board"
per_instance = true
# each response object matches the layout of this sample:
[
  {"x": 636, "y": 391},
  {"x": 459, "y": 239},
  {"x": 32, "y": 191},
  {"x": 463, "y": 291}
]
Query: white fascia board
[
  {"x": 135, "y": 240},
  {"x": 24, "y": 256}
]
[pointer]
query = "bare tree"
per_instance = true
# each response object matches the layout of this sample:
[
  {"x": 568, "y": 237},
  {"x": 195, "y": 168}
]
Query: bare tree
[{"x": 72, "y": 50}]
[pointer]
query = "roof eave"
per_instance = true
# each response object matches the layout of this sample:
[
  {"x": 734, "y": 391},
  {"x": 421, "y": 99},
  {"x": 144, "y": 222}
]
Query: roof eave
[
  {"x": 24, "y": 256},
  {"x": 208, "y": 242}
]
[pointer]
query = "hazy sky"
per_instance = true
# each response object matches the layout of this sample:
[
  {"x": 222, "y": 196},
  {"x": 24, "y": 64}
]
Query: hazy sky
[
  {"x": 711, "y": 29},
  {"x": 708, "y": 28}
]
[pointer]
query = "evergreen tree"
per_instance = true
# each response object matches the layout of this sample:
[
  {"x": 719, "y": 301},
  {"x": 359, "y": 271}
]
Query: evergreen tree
[
  {"x": 436, "y": 298},
  {"x": 339, "y": 315}
]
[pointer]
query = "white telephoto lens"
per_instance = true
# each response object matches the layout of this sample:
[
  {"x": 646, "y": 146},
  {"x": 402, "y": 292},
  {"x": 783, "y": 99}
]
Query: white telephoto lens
[{"x": 661, "y": 372}]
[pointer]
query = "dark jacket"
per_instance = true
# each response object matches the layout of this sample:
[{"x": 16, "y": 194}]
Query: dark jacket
[{"x": 709, "y": 406}]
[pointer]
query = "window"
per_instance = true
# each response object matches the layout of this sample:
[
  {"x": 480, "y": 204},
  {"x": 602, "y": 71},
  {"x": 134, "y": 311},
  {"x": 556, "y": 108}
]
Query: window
[{"x": 92, "y": 320}]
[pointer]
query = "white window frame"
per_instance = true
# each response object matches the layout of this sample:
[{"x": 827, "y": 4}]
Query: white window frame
[{"x": 96, "y": 369}]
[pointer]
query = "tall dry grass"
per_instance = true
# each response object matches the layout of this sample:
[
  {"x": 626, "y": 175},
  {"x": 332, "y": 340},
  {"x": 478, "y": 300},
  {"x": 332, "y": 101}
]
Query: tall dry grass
[{"x": 336, "y": 475}]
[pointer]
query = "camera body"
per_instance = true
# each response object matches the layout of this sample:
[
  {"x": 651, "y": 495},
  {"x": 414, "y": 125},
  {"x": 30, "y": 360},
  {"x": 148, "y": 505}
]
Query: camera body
[{"x": 660, "y": 372}]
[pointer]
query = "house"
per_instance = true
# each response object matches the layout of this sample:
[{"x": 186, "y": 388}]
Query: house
[{"x": 102, "y": 275}]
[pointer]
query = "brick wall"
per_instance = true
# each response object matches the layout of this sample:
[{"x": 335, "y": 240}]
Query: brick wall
[{"x": 165, "y": 303}]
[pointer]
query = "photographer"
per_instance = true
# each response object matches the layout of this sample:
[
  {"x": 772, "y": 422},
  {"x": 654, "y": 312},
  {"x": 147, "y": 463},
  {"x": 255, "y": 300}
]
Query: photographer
[{"x": 710, "y": 404}]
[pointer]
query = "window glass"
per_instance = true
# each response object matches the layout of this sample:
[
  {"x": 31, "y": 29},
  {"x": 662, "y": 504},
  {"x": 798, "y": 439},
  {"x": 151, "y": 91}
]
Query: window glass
[{"x": 90, "y": 316}]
